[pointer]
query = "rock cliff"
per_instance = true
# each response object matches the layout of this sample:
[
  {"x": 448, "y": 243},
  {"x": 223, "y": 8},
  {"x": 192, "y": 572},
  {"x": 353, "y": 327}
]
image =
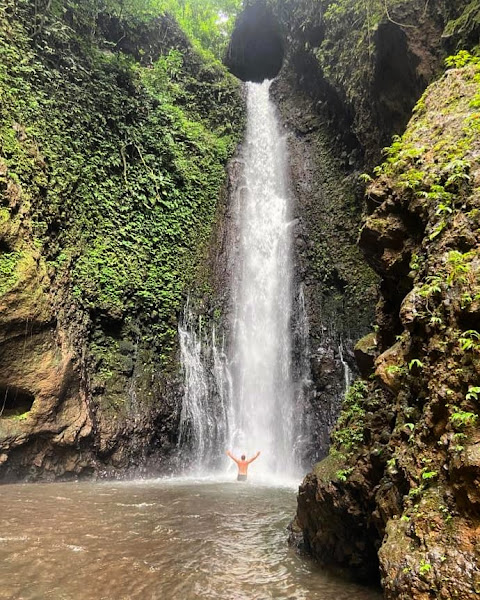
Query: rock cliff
[
  {"x": 396, "y": 499},
  {"x": 349, "y": 76},
  {"x": 114, "y": 135}
]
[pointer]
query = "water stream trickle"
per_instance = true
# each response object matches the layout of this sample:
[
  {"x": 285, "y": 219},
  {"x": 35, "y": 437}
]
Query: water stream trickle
[
  {"x": 347, "y": 372},
  {"x": 250, "y": 385}
]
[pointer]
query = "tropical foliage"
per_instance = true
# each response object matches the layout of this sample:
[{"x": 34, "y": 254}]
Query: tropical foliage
[{"x": 120, "y": 165}]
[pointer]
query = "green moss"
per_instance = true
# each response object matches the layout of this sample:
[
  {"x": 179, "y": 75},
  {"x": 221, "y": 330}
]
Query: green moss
[
  {"x": 349, "y": 431},
  {"x": 441, "y": 179},
  {"x": 466, "y": 24},
  {"x": 9, "y": 262},
  {"x": 20, "y": 417},
  {"x": 122, "y": 164},
  {"x": 327, "y": 469},
  {"x": 461, "y": 59}
]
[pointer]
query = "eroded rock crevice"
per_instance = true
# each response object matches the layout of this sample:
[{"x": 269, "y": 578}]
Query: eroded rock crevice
[{"x": 15, "y": 400}]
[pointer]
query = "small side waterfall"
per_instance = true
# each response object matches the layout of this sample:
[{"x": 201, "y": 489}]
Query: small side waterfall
[
  {"x": 206, "y": 408},
  {"x": 347, "y": 372},
  {"x": 247, "y": 398},
  {"x": 302, "y": 377}
]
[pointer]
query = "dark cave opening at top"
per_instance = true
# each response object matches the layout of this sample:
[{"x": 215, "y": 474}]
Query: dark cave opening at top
[{"x": 256, "y": 48}]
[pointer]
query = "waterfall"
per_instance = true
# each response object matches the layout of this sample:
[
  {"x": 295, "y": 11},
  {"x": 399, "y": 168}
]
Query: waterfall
[
  {"x": 206, "y": 407},
  {"x": 347, "y": 373},
  {"x": 302, "y": 376},
  {"x": 245, "y": 398},
  {"x": 262, "y": 293}
]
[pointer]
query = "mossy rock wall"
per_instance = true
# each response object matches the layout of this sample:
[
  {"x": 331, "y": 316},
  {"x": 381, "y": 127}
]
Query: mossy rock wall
[
  {"x": 365, "y": 64},
  {"x": 394, "y": 480},
  {"x": 114, "y": 138},
  {"x": 406, "y": 445}
]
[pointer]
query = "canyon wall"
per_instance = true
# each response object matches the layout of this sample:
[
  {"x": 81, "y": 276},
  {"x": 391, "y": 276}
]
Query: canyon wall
[
  {"x": 396, "y": 498},
  {"x": 343, "y": 91},
  {"x": 114, "y": 137},
  {"x": 114, "y": 141}
]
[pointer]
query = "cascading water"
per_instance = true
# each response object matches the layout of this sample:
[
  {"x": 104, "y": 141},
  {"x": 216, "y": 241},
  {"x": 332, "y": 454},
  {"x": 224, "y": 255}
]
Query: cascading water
[
  {"x": 252, "y": 388},
  {"x": 206, "y": 407},
  {"x": 347, "y": 373},
  {"x": 262, "y": 294}
]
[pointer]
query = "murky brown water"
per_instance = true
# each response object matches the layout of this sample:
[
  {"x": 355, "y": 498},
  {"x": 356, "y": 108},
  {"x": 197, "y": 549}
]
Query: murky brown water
[{"x": 150, "y": 540}]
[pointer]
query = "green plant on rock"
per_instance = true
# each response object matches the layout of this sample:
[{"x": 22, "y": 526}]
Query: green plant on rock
[
  {"x": 457, "y": 439},
  {"x": 395, "y": 370},
  {"x": 412, "y": 180},
  {"x": 392, "y": 466},
  {"x": 447, "y": 515},
  {"x": 409, "y": 429},
  {"x": 461, "y": 59},
  {"x": 415, "y": 362},
  {"x": 437, "y": 230},
  {"x": 415, "y": 492},
  {"x": 416, "y": 262},
  {"x": 461, "y": 419},
  {"x": 470, "y": 340},
  {"x": 467, "y": 298},
  {"x": 444, "y": 209},
  {"x": 20, "y": 417},
  {"x": 435, "y": 319},
  {"x": 9, "y": 262},
  {"x": 401, "y": 157},
  {"x": 426, "y": 474},
  {"x": 473, "y": 392},
  {"x": 348, "y": 433},
  {"x": 343, "y": 474},
  {"x": 432, "y": 285},
  {"x": 425, "y": 567},
  {"x": 439, "y": 196},
  {"x": 365, "y": 178},
  {"x": 458, "y": 265}
]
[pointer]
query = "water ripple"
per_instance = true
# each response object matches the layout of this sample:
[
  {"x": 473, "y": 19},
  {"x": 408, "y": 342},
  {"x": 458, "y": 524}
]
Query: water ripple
[{"x": 156, "y": 540}]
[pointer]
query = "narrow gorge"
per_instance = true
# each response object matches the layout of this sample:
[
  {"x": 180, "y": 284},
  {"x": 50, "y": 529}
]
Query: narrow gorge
[{"x": 246, "y": 226}]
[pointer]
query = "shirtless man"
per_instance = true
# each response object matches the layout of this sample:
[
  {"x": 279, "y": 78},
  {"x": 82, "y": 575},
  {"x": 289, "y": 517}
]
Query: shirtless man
[{"x": 242, "y": 464}]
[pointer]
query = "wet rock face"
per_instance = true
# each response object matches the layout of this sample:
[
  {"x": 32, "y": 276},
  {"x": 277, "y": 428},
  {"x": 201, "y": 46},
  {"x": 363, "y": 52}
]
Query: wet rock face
[
  {"x": 365, "y": 353},
  {"x": 345, "y": 537},
  {"x": 339, "y": 289},
  {"x": 406, "y": 445},
  {"x": 368, "y": 86},
  {"x": 256, "y": 49}
]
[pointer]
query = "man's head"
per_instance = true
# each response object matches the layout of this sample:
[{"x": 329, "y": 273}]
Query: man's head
[{"x": 243, "y": 457}]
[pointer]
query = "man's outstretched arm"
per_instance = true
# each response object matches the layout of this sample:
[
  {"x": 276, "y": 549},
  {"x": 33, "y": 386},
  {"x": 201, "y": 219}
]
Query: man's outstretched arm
[
  {"x": 254, "y": 457},
  {"x": 231, "y": 456}
]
